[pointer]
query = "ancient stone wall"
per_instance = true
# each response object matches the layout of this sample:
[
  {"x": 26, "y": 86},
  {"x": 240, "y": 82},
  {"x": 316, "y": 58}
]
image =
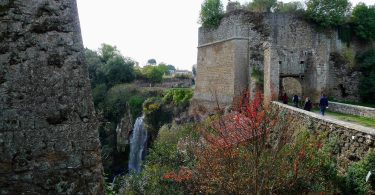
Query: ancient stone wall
[
  {"x": 351, "y": 141},
  {"x": 352, "y": 109},
  {"x": 48, "y": 131},
  {"x": 295, "y": 41}
]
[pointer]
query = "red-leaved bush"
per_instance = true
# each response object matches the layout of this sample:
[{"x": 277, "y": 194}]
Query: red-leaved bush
[{"x": 256, "y": 150}]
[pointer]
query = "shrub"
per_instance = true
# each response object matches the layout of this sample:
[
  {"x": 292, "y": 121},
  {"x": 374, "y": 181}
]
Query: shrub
[
  {"x": 328, "y": 13},
  {"x": 179, "y": 97},
  {"x": 356, "y": 177},
  {"x": 135, "y": 105},
  {"x": 164, "y": 158},
  {"x": 211, "y": 13},
  {"x": 291, "y": 7},
  {"x": 156, "y": 114},
  {"x": 240, "y": 147},
  {"x": 366, "y": 63},
  {"x": 363, "y": 19}
]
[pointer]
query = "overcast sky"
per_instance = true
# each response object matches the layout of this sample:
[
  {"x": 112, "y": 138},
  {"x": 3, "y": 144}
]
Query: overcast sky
[{"x": 166, "y": 30}]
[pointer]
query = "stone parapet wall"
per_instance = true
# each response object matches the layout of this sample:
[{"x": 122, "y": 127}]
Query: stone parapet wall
[
  {"x": 352, "y": 109},
  {"x": 352, "y": 141},
  {"x": 49, "y": 143}
]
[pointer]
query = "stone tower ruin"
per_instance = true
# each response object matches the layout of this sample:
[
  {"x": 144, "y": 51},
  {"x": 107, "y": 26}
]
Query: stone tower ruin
[
  {"x": 48, "y": 130},
  {"x": 271, "y": 51}
]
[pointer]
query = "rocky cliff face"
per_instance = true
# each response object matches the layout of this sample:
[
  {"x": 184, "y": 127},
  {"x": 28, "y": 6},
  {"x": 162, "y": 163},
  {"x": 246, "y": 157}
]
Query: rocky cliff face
[
  {"x": 123, "y": 131},
  {"x": 48, "y": 130}
]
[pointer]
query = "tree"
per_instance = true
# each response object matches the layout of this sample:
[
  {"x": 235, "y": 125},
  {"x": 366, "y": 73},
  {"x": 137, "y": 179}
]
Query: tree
[
  {"x": 171, "y": 67},
  {"x": 328, "y": 13},
  {"x": 119, "y": 70},
  {"x": 262, "y": 5},
  {"x": 211, "y": 13},
  {"x": 94, "y": 63},
  {"x": 291, "y": 7},
  {"x": 151, "y": 62},
  {"x": 107, "y": 51},
  {"x": 363, "y": 18},
  {"x": 153, "y": 74},
  {"x": 367, "y": 83}
]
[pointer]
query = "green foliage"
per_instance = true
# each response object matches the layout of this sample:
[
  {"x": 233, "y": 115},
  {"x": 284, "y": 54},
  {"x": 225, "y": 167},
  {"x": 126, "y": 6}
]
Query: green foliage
[
  {"x": 156, "y": 114},
  {"x": 165, "y": 156},
  {"x": 363, "y": 19},
  {"x": 135, "y": 105},
  {"x": 171, "y": 67},
  {"x": 109, "y": 67},
  {"x": 356, "y": 177},
  {"x": 291, "y": 7},
  {"x": 258, "y": 75},
  {"x": 153, "y": 74},
  {"x": 345, "y": 33},
  {"x": 328, "y": 13},
  {"x": 179, "y": 97},
  {"x": 349, "y": 55},
  {"x": 367, "y": 83},
  {"x": 151, "y": 62},
  {"x": 119, "y": 70},
  {"x": 99, "y": 93},
  {"x": 211, "y": 13},
  {"x": 116, "y": 101},
  {"x": 107, "y": 51},
  {"x": 261, "y": 5}
]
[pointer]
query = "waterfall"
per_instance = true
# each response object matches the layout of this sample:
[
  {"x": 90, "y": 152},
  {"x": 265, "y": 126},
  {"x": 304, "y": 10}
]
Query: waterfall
[{"x": 138, "y": 144}]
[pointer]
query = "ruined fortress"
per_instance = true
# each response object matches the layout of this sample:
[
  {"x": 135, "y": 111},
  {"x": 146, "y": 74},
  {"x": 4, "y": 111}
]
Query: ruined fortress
[
  {"x": 48, "y": 129},
  {"x": 285, "y": 51}
]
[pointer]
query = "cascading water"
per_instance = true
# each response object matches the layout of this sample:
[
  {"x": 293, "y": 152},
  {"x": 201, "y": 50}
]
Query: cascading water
[{"x": 138, "y": 145}]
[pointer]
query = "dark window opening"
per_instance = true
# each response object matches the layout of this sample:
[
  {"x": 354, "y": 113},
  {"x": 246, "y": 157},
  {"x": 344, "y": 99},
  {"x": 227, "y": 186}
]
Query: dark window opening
[
  {"x": 280, "y": 62},
  {"x": 302, "y": 62}
]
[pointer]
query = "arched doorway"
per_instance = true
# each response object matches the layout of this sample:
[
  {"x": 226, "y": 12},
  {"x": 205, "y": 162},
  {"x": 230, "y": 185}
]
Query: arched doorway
[{"x": 291, "y": 86}]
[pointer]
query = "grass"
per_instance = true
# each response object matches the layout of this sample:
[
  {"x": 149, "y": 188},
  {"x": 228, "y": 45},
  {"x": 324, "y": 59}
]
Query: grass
[
  {"x": 364, "y": 121},
  {"x": 368, "y": 122}
]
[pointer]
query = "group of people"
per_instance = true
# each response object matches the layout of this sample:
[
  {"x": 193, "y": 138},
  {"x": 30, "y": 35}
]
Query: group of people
[{"x": 323, "y": 103}]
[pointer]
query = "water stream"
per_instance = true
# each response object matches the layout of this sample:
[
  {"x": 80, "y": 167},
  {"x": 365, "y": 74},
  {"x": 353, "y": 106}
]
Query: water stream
[{"x": 138, "y": 146}]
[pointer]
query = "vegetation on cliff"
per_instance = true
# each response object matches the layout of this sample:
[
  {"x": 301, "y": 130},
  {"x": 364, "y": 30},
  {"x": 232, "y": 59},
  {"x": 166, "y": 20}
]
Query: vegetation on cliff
[
  {"x": 366, "y": 63},
  {"x": 250, "y": 150}
]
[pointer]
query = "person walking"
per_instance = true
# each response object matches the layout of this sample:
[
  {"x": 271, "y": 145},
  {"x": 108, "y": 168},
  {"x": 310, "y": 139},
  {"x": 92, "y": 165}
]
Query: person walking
[
  {"x": 285, "y": 98},
  {"x": 323, "y": 104},
  {"x": 296, "y": 100},
  {"x": 308, "y": 104}
]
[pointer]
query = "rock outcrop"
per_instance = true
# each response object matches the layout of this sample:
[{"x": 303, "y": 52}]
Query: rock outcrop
[{"x": 48, "y": 129}]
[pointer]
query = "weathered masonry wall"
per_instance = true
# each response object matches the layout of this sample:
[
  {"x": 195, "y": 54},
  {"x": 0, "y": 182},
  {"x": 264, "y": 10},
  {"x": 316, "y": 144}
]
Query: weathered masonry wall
[
  {"x": 48, "y": 130},
  {"x": 352, "y": 109},
  {"x": 353, "y": 141},
  {"x": 222, "y": 71}
]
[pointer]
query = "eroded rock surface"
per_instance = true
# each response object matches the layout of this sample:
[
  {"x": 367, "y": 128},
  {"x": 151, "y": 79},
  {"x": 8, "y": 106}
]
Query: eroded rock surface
[{"x": 48, "y": 131}]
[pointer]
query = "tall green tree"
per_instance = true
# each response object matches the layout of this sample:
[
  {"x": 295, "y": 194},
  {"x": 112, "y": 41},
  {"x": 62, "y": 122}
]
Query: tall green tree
[
  {"x": 211, "y": 13},
  {"x": 328, "y": 13},
  {"x": 363, "y": 19}
]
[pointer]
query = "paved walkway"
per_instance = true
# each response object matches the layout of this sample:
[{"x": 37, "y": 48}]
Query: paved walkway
[{"x": 332, "y": 119}]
